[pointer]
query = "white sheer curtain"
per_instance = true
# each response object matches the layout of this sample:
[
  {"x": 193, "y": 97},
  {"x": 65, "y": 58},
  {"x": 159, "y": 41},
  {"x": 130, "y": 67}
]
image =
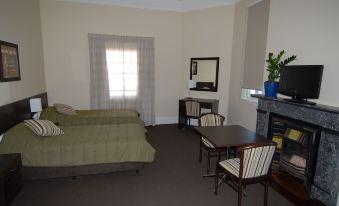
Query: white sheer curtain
[{"x": 122, "y": 74}]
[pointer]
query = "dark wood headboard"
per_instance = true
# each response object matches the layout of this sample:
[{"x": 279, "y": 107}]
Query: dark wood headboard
[{"x": 16, "y": 112}]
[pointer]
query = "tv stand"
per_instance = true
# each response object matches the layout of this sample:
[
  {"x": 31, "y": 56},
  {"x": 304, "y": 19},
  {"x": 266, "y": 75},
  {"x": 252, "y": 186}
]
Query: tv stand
[{"x": 300, "y": 101}]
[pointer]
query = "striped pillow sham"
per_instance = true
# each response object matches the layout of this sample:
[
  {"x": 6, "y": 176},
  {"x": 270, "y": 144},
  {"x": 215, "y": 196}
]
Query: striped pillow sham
[
  {"x": 43, "y": 127},
  {"x": 64, "y": 109}
]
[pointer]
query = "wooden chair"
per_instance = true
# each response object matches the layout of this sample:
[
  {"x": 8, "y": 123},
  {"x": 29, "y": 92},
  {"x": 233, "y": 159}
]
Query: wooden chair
[
  {"x": 192, "y": 110},
  {"x": 253, "y": 166},
  {"x": 210, "y": 119}
]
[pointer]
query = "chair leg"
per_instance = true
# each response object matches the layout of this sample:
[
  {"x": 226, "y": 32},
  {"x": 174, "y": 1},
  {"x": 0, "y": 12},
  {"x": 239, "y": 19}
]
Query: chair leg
[
  {"x": 186, "y": 125},
  {"x": 219, "y": 156},
  {"x": 208, "y": 162},
  {"x": 240, "y": 193},
  {"x": 200, "y": 152},
  {"x": 216, "y": 180},
  {"x": 266, "y": 191}
]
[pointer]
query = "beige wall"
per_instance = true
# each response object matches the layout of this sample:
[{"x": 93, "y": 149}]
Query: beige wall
[
  {"x": 20, "y": 24},
  {"x": 65, "y": 27},
  {"x": 209, "y": 33},
  {"x": 307, "y": 28},
  {"x": 178, "y": 37}
]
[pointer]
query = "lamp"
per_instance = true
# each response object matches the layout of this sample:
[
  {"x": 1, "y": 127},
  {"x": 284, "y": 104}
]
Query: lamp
[
  {"x": 36, "y": 107},
  {"x": 191, "y": 84}
]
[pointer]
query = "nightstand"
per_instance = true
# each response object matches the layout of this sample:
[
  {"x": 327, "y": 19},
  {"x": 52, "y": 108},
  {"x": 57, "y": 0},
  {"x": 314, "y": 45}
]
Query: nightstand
[{"x": 10, "y": 177}]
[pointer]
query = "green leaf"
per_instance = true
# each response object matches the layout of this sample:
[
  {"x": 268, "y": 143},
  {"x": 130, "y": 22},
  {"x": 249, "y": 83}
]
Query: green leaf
[
  {"x": 274, "y": 64},
  {"x": 287, "y": 60}
]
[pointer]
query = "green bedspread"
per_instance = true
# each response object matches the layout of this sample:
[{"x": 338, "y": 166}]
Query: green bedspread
[
  {"x": 80, "y": 145},
  {"x": 92, "y": 117}
]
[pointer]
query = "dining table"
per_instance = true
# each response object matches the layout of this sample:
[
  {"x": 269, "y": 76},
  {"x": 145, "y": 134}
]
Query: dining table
[{"x": 230, "y": 136}]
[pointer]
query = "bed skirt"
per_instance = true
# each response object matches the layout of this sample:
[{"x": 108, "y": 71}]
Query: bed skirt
[{"x": 33, "y": 173}]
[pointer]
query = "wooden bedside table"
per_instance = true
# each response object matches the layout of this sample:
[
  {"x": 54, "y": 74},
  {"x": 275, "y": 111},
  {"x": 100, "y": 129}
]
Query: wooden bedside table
[{"x": 10, "y": 177}]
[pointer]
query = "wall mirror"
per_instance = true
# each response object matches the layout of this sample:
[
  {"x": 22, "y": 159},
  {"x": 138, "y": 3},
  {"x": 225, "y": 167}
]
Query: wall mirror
[{"x": 204, "y": 73}]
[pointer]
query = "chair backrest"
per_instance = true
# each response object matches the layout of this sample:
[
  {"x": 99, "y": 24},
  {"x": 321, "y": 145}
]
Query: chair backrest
[
  {"x": 192, "y": 108},
  {"x": 255, "y": 161},
  {"x": 211, "y": 119}
]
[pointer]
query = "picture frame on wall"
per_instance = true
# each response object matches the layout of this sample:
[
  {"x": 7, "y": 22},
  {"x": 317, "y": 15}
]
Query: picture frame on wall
[
  {"x": 9, "y": 62},
  {"x": 194, "y": 68}
]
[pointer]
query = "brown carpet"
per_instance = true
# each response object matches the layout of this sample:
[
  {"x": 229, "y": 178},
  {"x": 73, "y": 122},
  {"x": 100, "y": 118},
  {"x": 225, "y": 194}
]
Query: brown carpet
[{"x": 175, "y": 178}]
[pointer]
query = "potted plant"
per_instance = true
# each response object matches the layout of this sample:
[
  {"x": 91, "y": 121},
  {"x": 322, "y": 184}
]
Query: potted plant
[{"x": 273, "y": 68}]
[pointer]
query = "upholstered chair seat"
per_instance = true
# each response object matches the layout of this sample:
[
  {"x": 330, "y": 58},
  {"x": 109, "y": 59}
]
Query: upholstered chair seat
[{"x": 207, "y": 143}]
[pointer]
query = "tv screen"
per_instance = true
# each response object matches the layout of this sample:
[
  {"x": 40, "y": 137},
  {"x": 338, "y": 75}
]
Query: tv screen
[{"x": 301, "y": 81}]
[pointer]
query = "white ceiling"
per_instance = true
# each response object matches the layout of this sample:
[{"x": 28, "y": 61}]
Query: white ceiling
[{"x": 167, "y": 5}]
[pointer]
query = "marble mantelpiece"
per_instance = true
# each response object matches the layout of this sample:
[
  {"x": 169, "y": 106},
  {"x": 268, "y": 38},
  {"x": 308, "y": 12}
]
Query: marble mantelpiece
[{"x": 326, "y": 180}]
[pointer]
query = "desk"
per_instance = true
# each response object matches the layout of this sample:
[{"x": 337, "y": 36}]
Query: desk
[
  {"x": 211, "y": 104},
  {"x": 223, "y": 137}
]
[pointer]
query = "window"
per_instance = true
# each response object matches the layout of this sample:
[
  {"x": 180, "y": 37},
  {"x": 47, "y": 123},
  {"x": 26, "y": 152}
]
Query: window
[
  {"x": 246, "y": 94},
  {"x": 122, "y": 68},
  {"x": 122, "y": 74}
]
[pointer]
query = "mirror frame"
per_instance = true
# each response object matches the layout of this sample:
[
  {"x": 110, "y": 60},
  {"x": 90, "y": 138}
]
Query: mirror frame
[{"x": 215, "y": 89}]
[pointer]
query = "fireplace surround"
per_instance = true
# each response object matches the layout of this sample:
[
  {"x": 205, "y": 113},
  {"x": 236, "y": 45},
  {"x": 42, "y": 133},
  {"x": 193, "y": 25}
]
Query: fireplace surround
[
  {"x": 295, "y": 158},
  {"x": 325, "y": 185}
]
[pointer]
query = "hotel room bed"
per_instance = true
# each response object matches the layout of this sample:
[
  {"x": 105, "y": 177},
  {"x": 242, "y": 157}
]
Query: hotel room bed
[
  {"x": 81, "y": 150},
  {"x": 92, "y": 117}
]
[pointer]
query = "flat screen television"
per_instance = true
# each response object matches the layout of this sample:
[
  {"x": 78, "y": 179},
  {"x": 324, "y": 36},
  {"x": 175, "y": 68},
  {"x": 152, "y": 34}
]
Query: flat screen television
[{"x": 301, "y": 82}]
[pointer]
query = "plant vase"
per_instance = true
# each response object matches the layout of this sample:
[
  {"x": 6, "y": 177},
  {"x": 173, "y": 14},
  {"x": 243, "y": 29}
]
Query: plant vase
[{"x": 271, "y": 89}]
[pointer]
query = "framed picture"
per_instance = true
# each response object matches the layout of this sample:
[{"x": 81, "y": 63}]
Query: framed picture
[
  {"x": 194, "y": 68},
  {"x": 9, "y": 62}
]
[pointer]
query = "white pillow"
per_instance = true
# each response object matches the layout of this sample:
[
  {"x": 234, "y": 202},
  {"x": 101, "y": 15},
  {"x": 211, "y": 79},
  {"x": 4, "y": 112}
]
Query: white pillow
[
  {"x": 1, "y": 136},
  {"x": 43, "y": 127},
  {"x": 64, "y": 109}
]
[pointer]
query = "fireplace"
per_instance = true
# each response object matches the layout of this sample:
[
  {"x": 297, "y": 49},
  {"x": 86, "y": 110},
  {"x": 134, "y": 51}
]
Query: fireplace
[
  {"x": 295, "y": 159},
  {"x": 310, "y": 135}
]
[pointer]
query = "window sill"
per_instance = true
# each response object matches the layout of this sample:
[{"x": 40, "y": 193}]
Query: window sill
[
  {"x": 247, "y": 101},
  {"x": 247, "y": 98}
]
